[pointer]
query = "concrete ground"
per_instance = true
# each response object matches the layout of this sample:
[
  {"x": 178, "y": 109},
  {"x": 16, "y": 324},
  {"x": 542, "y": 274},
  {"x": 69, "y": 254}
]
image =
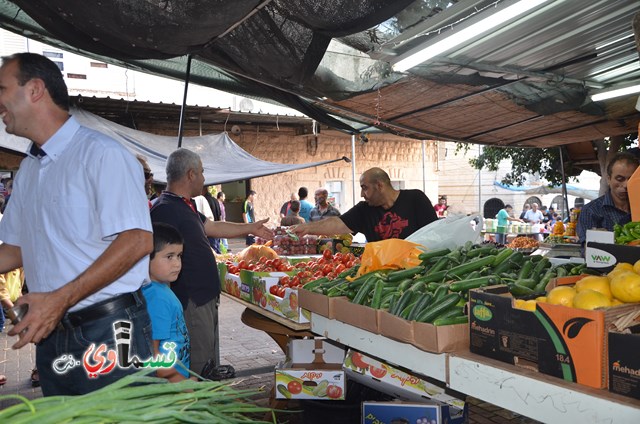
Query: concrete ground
[{"x": 251, "y": 352}]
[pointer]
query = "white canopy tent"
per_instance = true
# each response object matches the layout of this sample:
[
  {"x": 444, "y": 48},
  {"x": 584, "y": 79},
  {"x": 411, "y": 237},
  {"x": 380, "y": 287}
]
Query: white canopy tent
[{"x": 222, "y": 158}]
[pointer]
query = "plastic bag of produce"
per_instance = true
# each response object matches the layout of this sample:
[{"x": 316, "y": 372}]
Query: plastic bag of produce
[
  {"x": 451, "y": 232},
  {"x": 389, "y": 254}
]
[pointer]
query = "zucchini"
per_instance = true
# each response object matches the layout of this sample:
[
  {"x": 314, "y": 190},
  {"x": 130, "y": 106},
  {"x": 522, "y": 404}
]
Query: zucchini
[
  {"x": 517, "y": 290},
  {"x": 459, "y": 319},
  {"x": 466, "y": 285},
  {"x": 436, "y": 309},
  {"x": 386, "y": 300},
  {"x": 527, "y": 282},
  {"x": 338, "y": 290},
  {"x": 316, "y": 283},
  {"x": 480, "y": 251},
  {"x": 405, "y": 284},
  {"x": 407, "y": 310},
  {"x": 436, "y": 276},
  {"x": 418, "y": 286},
  {"x": 393, "y": 301},
  {"x": 542, "y": 264}
]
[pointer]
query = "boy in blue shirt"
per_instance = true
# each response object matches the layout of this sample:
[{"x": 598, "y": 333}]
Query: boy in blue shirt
[{"x": 168, "y": 329}]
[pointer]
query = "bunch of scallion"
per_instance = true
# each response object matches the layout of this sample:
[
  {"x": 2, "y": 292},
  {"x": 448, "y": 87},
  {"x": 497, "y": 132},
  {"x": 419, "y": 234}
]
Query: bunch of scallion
[{"x": 139, "y": 398}]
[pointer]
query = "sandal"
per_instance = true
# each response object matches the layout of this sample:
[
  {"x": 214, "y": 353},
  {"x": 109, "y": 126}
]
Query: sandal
[
  {"x": 3, "y": 380},
  {"x": 35, "y": 378}
]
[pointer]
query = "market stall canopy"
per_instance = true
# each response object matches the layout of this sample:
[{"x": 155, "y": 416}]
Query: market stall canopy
[
  {"x": 571, "y": 190},
  {"x": 223, "y": 160},
  {"x": 526, "y": 82}
]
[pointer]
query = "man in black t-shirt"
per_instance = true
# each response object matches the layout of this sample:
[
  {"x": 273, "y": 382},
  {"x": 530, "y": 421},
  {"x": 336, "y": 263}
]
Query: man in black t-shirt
[{"x": 385, "y": 213}]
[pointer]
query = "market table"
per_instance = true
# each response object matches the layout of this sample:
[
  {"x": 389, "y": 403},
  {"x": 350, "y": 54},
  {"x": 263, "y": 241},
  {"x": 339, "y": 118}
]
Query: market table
[
  {"x": 277, "y": 327},
  {"x": 523, "y": 391}
]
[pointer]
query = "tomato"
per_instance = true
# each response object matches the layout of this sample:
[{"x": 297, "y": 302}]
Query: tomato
[
  {"x": 340, "y": 268},
  {"x": 242, "y": 264},
  {"x": 281, "y": 291},
  {"x": 327, "y": 254},
  {"x": 327, "y": 269},
  {"x": 293, "y": 301},
  {"x": 294, "y": 387},
  {"x": 273, "y": 290},
  {"x": 263, "y": 301},
  {"x": 333, "y": 391},
  {"x": 285, "y": 280},
  {"x": 357, "y": 360},
  {"x": 262, "y": 259},
  {"x": 377, "y": 372},
  {"x": 295, "y": 280}
]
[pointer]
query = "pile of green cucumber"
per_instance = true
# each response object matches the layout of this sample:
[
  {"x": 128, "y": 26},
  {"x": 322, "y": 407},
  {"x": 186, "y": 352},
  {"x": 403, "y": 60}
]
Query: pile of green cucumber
[{"x": 436, "y": 290}]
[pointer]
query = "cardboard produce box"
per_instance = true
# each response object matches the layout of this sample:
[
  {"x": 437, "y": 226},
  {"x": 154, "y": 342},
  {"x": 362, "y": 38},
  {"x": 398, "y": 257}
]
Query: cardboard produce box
[
  {"x": 287, "y": 306},
  {"x": 400, "y": 384},
  {"x": 564, "y": 342},
  {"x": 426, "y": 412},
  {"x": 313, "y": 370},
  {"x": 317, "y": 303},
  {"x": 624, "y": 362},
  {"x": 357, "y": 315}
]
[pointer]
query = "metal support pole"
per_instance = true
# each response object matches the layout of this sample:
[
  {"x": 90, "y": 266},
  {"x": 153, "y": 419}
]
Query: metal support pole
[
  {"x": 184, "y": 101},
  {"x": 480, "y": 212},
  {"x": 564, "y": 187},
  {"x": 424, "y": 167},
  {"x": 353, "y": 167}
]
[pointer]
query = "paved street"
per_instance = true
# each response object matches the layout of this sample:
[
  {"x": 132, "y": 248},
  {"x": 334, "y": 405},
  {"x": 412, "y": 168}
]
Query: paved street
[{"x": 251, "y": 352}]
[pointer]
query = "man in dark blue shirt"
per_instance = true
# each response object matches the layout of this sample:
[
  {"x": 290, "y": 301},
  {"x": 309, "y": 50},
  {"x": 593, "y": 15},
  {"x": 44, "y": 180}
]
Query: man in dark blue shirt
[{"x": 613, "y": 207}]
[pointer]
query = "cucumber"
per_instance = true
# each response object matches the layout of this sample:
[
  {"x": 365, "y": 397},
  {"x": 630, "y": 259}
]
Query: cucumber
[
  {"x": 435, "y": 253},
  {"x": 502, "y": 256},
  {"x": 517, "y": 290},
  {"x": 468, "y": 267},
  {"x": 422, "y": 303},
  {"x": 480, "y": 251},
  {"x": 525, "y": 271},
  {"x": 407, "y": 310},
  {"x": 435, "y": 309},
  {"x": 316, "y": 283},
  {"x": 527, "y": 282},
  {"x": 402, "y": 302},
  {"x": 404, "y": 273},
  {"x": 466, "y": 285},
  {"x": 405, "y": 284},
  {"x": 439, "y": 266},
  {"x": 284, "y": 391},
  {"x": 364, "y": 290},
  {"x": 459, "y": 319},
  {"x": 440, "y": 292},
  {"x": 377, "y": 294}
]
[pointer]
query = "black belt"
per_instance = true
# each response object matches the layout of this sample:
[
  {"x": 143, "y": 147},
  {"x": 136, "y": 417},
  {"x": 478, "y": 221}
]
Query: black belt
[{"x": 100, "y": 310}]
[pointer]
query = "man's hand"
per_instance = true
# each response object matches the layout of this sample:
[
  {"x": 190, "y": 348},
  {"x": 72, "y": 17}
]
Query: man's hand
[
  {"x": 258, "y": 229},
  {"x": 45, "y": 312},
  {"x": 299, "y": 230}
]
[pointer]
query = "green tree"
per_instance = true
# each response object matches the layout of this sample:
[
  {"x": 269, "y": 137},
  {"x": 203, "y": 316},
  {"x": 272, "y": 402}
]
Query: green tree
[{"x": 545, "y": 162}]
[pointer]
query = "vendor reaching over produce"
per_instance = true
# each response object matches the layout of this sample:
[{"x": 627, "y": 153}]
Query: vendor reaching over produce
[
  {"x": 613, "y": 207},
  {"x": 385, "y": 212}
]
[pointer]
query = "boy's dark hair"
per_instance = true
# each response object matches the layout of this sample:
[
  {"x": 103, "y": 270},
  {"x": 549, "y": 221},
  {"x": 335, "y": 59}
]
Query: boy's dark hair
[
  {"x": 32, "y": 66},
  {"x": 251, "y": 192},
  {"x": 220, "y": 194},
  {"x": 164, "y": 235},
  {"x": 295, "y": 205},
  {"x": 303, "y": 193}
]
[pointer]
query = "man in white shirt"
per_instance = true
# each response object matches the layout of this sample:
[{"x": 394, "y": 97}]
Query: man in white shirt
[{"x": 79, "y": 223}]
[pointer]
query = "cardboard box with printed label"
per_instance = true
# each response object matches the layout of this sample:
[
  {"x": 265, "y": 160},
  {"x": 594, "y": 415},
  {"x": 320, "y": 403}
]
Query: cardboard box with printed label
[
  {"x": 401, "y": 385},
  {"x": 624, "y": 362},
  {"x": 602, "y": 254},
  {"x": 313, "y": 370},
  {"x": 287, "y": 306},
  {"x": 564, "y": 342},
  {"x": 230, "y": 282},
  {"x": 425, "y": 412}
]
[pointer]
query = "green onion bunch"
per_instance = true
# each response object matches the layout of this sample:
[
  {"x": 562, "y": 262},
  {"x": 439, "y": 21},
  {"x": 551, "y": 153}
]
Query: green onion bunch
[{"x": 139, "y": 398}]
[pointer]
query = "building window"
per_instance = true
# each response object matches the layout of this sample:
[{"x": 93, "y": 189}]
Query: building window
[
  {"x": 77, "y": 76},
  {"x": 335, "y": 193},
  {"x": 98, "y": 65},
  {"x": 398, "y": 185},
  {"x": 53, "y": 56}
]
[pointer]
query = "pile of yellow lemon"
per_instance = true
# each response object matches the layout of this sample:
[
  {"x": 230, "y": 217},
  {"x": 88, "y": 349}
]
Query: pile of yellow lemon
[{"x": 621, "y": 285}]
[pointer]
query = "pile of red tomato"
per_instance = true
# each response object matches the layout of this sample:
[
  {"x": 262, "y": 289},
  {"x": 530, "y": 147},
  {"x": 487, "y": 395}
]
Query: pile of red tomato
[{"x": 329, "y": 265}]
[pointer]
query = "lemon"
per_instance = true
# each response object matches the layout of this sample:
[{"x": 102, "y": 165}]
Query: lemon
[
  {"x": 518, "y": 303},
  {"x": 529, "y": 305},
  {"x": 626, "y": 287},
  {"x": 562, "y": 295},
  {"x": 616, "y": 302},
  {"x": 636, "y": 267},
  {"x": 593, "y": 282},
  {"x": 623, "y": 266},
  {"x": 541, "y": 299},
  {"x": 590, "y": 299}
]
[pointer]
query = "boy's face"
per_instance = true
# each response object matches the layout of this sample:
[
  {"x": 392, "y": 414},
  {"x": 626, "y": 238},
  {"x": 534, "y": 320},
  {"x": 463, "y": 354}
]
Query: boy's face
[{"x": 166, "y": 264}]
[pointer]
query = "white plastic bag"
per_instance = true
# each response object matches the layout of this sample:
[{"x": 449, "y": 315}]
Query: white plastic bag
[{"x": 450, "y": 232}]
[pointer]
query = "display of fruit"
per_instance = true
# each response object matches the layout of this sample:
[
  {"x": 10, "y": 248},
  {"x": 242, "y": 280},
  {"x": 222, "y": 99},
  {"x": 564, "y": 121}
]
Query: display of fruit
[
  {"x": 590, "y": 299},
  {"x": 561, "y": 295}
]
